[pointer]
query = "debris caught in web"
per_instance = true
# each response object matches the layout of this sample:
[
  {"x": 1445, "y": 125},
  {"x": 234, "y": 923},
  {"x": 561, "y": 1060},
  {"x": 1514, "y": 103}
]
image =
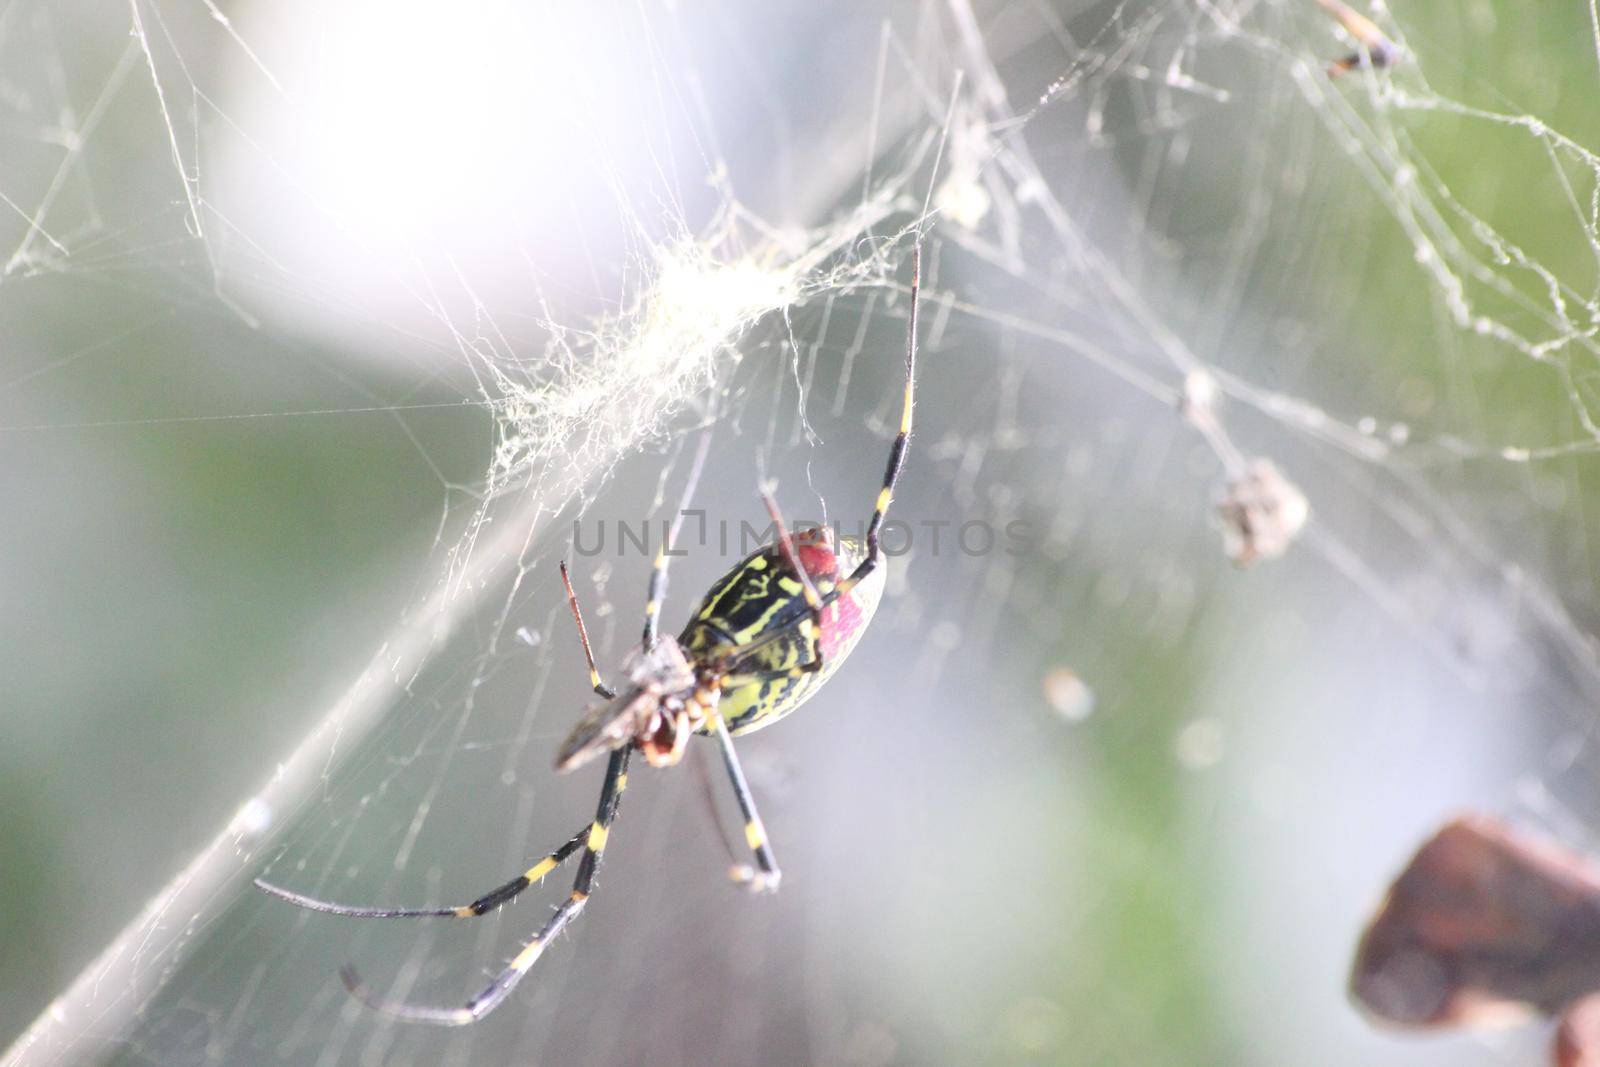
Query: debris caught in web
[{"x": 1262, "y": 513}]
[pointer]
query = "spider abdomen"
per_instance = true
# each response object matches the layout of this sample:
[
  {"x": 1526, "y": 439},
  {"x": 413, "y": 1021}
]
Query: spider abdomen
[{"x": 754, "y": 599}]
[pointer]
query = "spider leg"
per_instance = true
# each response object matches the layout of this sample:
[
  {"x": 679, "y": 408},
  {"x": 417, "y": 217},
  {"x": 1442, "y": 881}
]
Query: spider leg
[
  {"x": 891, "y": 475},
  {"x": 738, "y": 871},
  {"x": 583, "y": 636},
  {"x": 790, "y": 556},
  {"x": 814, "y": 604},
  {"x": 499, "y": 989},
  {"x": 488, "y": 902},
  {"x": 897, "y": 451},
  {"x": 755, "y": 832}
]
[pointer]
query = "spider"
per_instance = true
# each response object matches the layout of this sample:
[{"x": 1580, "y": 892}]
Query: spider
[{"x": 763, "y": 640}]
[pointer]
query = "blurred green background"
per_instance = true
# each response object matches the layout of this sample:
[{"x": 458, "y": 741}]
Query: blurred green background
[{"x": 236, "y": 462}]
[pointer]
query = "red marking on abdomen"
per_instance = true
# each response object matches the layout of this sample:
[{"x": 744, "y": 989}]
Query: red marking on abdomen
[{"x": 841, "y": 621}]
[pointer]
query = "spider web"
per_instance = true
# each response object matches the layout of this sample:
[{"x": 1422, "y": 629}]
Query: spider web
[{"x": 330, "y": 332}]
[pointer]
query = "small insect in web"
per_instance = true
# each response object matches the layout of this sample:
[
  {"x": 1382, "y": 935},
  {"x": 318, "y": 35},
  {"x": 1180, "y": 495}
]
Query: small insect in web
[
  {"x": 762, "y": 641},
  {"x": 1376, "y": 50}
]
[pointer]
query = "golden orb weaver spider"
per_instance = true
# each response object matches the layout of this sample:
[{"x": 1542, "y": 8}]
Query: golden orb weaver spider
[{"x": 763, "y": 640}]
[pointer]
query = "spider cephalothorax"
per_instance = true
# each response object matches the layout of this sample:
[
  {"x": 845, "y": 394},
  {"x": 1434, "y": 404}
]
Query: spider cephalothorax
[{"x": 663, "y": 703}]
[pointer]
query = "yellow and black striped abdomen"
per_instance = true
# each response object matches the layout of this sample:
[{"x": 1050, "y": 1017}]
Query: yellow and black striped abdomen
[{"x": 752, "y": 601}]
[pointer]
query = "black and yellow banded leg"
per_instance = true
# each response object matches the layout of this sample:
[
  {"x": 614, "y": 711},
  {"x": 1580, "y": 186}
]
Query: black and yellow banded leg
[
  {"x": 767, "y": 875},
  {"x": 778, "y": 628},
  {"x": 494, "y": 898},
  {"x": 594, "y": 844},
  {"x": 897, "y": 451},
  {"x": 652, "y": 600}
]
